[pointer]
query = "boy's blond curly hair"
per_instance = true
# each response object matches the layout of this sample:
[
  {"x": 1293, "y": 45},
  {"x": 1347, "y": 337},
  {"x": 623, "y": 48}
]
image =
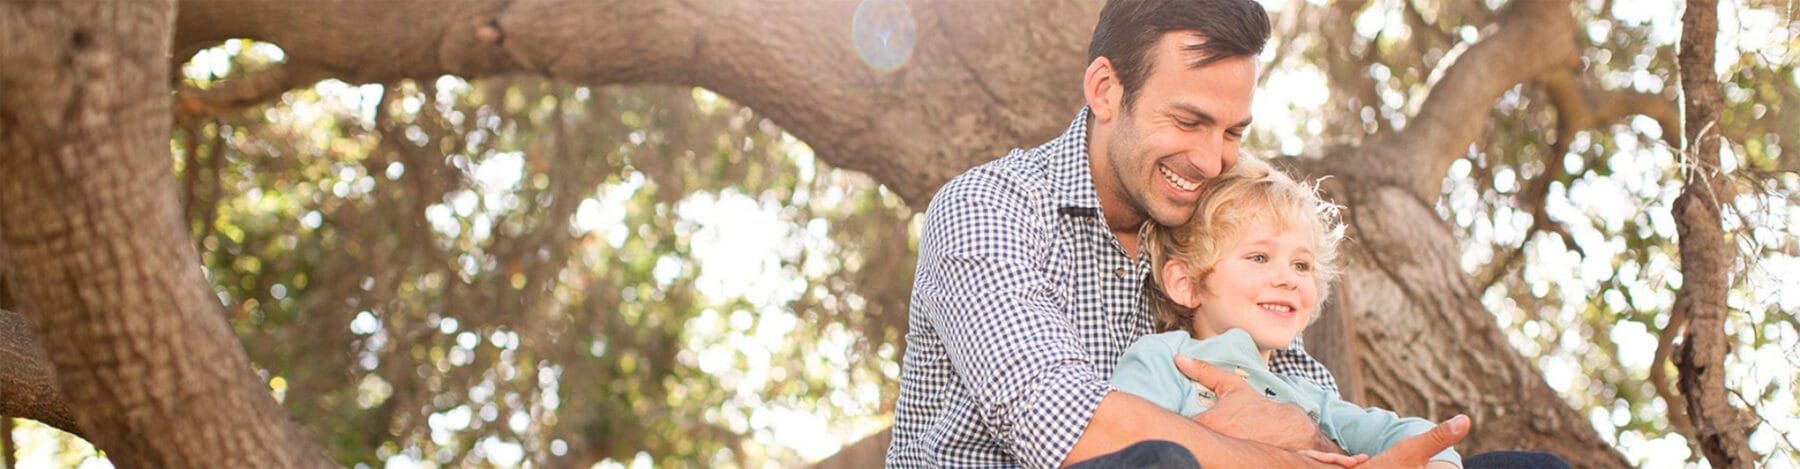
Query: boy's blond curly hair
[{"x": 1246, "y": 193}]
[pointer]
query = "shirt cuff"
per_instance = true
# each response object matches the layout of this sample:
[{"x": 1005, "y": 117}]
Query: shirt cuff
[{"x": 1049, "y": 421}]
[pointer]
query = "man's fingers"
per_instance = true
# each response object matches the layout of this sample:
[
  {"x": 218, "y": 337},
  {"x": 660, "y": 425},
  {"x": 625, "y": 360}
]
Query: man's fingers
[
  {"x": 1422, "y": 447},
  {"x": 1336, "y": 459},
  {"x": 1208, "y": 376}
]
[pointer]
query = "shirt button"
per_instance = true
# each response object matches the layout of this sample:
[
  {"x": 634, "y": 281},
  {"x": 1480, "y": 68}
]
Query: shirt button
[{"x": 1119, "y": 272}]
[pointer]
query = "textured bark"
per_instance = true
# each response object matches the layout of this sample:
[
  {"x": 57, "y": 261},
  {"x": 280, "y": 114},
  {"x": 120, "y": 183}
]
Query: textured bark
[
  {"x": 6, "y": 442},
  {"x": 27, "y": 383},
  {"x": 96, "y": 253},
  {"x": 1705, "y": 258}
]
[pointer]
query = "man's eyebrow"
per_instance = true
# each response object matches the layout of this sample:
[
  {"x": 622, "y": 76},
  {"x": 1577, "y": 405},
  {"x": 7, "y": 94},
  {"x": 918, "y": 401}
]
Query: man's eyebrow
[
  {"x": 1204, "y": 117},
  {"x": 1200, "y": 115}
]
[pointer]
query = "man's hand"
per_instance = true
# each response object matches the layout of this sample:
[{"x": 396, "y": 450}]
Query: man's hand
[
  {"x": 1416, "y": 451},
  {"x": 1243, "y": 413}
]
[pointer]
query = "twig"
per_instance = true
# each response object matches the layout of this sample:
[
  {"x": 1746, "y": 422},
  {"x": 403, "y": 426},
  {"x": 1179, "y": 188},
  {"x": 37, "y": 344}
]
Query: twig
[{"x": 1497, "y": 271}]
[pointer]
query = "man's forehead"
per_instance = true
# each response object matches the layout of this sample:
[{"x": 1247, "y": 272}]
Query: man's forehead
[{"x": 1189, "y": 47}]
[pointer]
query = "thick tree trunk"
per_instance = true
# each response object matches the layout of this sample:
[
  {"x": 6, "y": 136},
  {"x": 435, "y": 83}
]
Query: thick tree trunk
[
  {"x": 1426, "y": 344},
  {"x": 1705, "y": 258},
  {"x": 96, "y": 253}
]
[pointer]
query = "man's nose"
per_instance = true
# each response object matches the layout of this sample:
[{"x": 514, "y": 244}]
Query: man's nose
[{"x": 1209, "y": 155}]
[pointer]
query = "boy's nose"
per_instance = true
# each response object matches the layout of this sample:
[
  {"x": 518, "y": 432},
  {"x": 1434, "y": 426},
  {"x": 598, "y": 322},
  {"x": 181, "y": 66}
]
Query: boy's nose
[{"x": 1286, "y": 279}]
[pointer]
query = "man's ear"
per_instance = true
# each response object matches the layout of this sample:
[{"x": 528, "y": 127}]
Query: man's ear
[
  {"x": 1178, "y": 283},
  {"x": 1102, "y": 89}
]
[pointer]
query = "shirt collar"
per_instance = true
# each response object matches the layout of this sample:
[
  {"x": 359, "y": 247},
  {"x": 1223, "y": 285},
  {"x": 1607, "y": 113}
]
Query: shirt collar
[{"x": 1068, "y": 156}]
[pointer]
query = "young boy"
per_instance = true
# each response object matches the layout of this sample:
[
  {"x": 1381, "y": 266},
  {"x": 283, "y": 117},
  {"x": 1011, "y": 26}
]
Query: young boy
[{"x": 1242, "y": 279}]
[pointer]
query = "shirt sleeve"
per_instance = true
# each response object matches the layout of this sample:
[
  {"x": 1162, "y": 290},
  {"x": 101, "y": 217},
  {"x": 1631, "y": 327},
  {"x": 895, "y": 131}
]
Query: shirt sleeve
[
  {"x": 1147, "y": 370},
  {"x": 986, "y": 288},
  {"x": 1368, "y": 430}
]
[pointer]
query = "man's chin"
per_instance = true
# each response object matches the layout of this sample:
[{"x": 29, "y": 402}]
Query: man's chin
[{"x": 1174, "y": 217}]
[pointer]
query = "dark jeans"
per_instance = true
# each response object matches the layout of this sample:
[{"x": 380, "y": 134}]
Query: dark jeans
[
  {"x": 1167, "y": 455},
  {"x": 1514, "y": 459},
  {"x": 1149, "y": 454}
]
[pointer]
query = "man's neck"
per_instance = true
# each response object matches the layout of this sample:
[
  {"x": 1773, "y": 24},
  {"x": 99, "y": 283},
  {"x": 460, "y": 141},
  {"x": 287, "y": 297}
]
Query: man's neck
[{"x": 1115, "y": 207}]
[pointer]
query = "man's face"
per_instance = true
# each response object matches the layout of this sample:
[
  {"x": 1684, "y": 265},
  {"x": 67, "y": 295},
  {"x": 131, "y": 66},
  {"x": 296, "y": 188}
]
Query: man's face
[{"x": 1181, "y": 129}]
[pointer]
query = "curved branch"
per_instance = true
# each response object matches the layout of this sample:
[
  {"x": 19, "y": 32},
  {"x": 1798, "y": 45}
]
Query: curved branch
[
  {"x": 1582, "y": 108},
  {"x": 27, "y": 382},
  {"x": 194, "y": 105},
  {"x": 1532, "y": 39},
  {"x": 853, "y": 115}
]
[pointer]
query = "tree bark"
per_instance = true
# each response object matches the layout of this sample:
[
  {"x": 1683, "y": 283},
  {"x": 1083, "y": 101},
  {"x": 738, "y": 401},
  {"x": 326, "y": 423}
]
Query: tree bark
[
  {"x": 6, "y": 442},
  {"x": 96, "y": 252},
  {"x": 27, "y": 383},
  {"x": 1705, "y": 257}
]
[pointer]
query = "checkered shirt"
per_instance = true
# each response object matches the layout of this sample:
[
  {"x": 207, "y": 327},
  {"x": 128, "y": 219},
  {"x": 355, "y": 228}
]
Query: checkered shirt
[{"x": 1021, "y": 305}]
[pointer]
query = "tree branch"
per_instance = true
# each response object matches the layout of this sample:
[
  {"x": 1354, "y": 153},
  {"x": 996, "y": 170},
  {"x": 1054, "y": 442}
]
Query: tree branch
[
  {"x": 1532, "y": 39},
  {"x": 1705, "y": 257},
  {"x": 1500, "y": 266},
  {"x": 1664, "y": 386},
  {"x": 1581, "y": 107},
  {"x": 27, "y": 382},
  {"x": 854, "y": 116},
  {"x": 194, "y": 105}
]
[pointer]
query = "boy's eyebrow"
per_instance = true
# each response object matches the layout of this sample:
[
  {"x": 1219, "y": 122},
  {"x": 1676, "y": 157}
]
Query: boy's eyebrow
[{"x": 1263, "y": 242}]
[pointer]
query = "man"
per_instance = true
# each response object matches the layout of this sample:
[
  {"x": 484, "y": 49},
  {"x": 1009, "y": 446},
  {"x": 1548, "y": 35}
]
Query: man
[{"x": 1029, "y": 282}]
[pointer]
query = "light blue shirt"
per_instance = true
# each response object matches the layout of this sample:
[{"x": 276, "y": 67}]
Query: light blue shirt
[{"x": 1147, "y": 370}]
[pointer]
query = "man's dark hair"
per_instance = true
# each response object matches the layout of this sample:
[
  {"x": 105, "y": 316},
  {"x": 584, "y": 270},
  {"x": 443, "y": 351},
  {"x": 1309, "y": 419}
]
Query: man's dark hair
[{"x": 1128, "y": 29}]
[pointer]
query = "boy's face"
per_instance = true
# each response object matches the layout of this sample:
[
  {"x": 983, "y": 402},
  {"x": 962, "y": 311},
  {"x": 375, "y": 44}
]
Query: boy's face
[{"x": 1262, "y": 283}]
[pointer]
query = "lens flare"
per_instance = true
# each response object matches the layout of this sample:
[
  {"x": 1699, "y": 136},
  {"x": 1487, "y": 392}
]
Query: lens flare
[{"x": 884, "y": 33}]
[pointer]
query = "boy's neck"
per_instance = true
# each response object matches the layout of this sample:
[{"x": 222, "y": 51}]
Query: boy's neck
[{"x": 1203, "y": 334}]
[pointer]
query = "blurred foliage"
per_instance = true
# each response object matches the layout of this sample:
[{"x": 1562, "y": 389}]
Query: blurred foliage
[
  {"x": 513, "y": 270},
  {"x": 516, "y": 271}
]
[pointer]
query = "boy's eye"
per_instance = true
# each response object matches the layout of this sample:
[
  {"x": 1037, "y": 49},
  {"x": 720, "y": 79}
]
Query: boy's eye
[
  {"x": 1259, "y": 258},
  {"x": 1303, "y": 266}
]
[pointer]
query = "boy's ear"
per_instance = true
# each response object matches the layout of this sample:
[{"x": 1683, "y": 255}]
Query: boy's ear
[{"x": 1178, "y": 283}]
